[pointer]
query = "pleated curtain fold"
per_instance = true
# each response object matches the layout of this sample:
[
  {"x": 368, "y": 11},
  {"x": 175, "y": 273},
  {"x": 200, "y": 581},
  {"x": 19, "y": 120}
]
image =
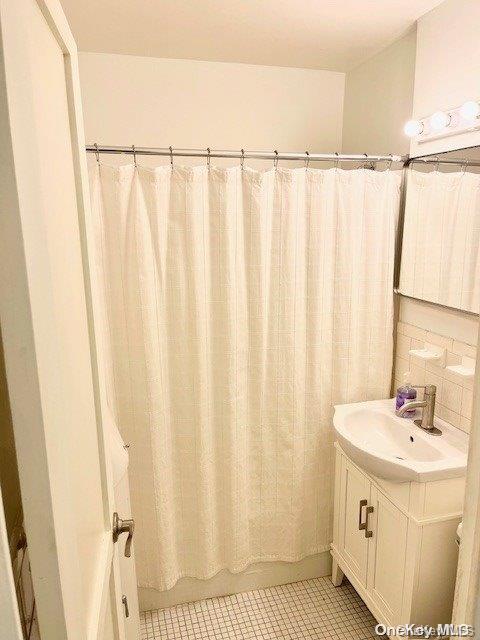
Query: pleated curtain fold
[{"x": 240, "y": 307}]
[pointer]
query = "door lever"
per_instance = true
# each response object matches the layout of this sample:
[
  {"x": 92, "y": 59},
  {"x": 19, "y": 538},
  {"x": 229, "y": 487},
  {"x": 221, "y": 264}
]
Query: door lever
[
  {"x": 123, "y": 526},
  {"x": 125, "y": 605}
]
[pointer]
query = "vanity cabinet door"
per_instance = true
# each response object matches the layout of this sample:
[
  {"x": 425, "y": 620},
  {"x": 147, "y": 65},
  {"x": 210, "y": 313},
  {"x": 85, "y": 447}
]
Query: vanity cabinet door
[
  {"x": 354, "y": 497},
  {"x": 386, "y": 555}
]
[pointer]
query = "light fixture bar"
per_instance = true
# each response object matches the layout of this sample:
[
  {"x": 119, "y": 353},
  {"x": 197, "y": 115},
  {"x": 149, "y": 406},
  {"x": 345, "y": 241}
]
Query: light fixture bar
[{"x": 445, "y": 123}]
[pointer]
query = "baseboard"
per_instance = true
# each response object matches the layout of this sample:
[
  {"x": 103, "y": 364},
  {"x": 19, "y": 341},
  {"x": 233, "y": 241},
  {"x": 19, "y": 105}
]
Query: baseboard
[{"x": 257, "y": 576}]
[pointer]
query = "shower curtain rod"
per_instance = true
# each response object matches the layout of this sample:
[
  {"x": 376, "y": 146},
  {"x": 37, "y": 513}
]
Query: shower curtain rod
[
  {"x": 437, "y": 160},
  {"x": 245, "y": 155}
]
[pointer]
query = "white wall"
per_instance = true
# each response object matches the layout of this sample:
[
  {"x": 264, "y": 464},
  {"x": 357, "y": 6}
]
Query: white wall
[
  {"x": 447, "y": 71},
  {"x": 159, "y": 102},
  {"x": 378, "y": 99}
]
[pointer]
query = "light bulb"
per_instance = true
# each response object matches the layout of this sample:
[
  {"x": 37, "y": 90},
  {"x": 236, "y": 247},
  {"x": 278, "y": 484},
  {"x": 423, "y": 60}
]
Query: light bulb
[
  {"x": 440, "y": 120},
  {"x": 470, "y": 110},
  {"x": 413, "y": 128}
]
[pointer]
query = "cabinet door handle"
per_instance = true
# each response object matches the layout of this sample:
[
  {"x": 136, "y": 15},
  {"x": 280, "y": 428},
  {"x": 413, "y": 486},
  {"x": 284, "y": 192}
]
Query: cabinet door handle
[
  {"x": 361, "y": 525},
  {"x": 368, "y": 533}
]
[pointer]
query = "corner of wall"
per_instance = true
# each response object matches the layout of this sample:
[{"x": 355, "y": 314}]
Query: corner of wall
[{"x": 379, "y": 99}]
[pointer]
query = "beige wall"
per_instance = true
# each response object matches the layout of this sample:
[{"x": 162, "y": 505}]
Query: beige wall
[
  {"x": 184, "y": 103},
  {"x": 447, "y": 71},
  {"x": 378, "y": 100}
]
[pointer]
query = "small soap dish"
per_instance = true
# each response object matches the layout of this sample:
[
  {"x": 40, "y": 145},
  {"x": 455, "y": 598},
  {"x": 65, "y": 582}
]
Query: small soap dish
[
  {"x": 466, "y": 369},
  {"x": 430, "y": 353}
]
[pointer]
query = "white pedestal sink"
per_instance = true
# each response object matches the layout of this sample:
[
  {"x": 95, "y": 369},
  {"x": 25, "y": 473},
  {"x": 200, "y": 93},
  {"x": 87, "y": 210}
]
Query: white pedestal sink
[{"x": 395, "y": 448}]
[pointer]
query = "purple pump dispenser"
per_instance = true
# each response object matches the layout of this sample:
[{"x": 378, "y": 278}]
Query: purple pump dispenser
[{"x": 406, "y": 393}]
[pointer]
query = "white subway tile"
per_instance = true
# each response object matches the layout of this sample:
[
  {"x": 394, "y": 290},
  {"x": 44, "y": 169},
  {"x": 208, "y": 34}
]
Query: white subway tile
[
  {"x": 417, "y": 362},
  {"x": 401, "y": 367},
  {"x": 465, "y": 424},
  {"x": 401, "y": 328},
  {"x": 403, "y": 346},
  {"x": 441, "y": 341},
  {"x": 418, "y": 373},
  {"x": 457, "y": 379},
  {"x": 413, "y": 332},
  {"x": 452, "y": 396},
  {"x": 467, "y": 403},
  {"x": 435, "y": 369},
  {"x": 432, "y": 378},
  {"x": 448, "y": 415},
  {"x": 417, "y": 344},
  {"x": 462, "y": 349}
]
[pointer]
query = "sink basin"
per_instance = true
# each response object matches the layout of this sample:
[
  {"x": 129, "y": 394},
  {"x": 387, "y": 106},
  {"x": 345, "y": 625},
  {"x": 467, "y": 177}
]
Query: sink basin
[{"x": 395, "y": 448}]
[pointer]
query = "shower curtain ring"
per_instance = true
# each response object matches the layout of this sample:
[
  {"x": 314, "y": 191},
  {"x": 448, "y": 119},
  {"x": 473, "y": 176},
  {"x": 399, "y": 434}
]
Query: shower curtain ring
[
  {"x": 134, "y": 155},
  {"x": 97, "y": 153},
  {"x": 171, "y": 155},
  {"x": 390, "y": 162},
  {"x": 437, "y": 164},
  {"x": 242, "y": 161},
  {"x": 275, "y": 160},
  {"x": 337, "y": 159},
  {"x": 208, "y": 157},
  {"x": 465, "y": 165},
  {"x": 307, "y": 159}
]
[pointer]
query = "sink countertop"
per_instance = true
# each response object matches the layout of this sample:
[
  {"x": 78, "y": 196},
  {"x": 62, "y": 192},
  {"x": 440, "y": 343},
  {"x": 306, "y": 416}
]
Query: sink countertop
[{"x": 395, "y": 448}]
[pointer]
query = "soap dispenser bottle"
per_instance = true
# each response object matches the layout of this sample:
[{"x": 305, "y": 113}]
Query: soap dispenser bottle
[{"x": 406, "y": 393}]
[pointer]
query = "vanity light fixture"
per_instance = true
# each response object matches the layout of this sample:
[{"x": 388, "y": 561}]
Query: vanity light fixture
[
  {"x": 470, "y": 110},
  {"x": 413, "y": 128},
  {"x": 445, "y": 123},
  {"x": 440, "y": 120}
]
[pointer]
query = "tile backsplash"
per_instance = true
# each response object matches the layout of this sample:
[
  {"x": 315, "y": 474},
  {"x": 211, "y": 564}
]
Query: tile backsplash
[{"x": 454, "y": 392}]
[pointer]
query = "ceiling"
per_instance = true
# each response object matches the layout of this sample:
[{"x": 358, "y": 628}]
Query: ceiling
[{"x": 317, "y": 34}]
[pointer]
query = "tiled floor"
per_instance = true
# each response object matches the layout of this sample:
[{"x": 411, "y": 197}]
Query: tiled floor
[{"x": 312, "y": 609}]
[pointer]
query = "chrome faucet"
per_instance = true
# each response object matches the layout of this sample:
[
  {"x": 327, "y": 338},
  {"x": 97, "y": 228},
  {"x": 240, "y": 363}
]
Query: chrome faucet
[{"x": 428, "y": 405}]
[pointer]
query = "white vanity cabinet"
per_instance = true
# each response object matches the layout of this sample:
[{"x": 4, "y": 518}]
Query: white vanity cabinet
[{"x": 395, "y": 541}]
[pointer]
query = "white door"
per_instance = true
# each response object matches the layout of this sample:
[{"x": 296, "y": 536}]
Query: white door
[
  {"x": 354, "y": 500},
  {"x": 386, "y": 563},
  {"x": 128, "y": 576},
  {"x": 47, "y": 315}
]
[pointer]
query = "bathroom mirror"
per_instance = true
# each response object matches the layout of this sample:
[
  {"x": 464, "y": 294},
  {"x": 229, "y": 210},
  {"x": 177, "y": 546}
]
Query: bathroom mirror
[{"x": 440, "y": 256}]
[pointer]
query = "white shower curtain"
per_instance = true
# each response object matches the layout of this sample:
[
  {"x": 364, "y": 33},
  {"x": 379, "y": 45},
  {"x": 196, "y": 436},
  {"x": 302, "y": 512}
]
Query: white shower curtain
[{"x": 240, "y": 307}]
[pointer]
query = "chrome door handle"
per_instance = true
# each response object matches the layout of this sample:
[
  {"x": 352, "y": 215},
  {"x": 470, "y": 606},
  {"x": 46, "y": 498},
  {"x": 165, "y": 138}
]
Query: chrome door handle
[
  {"x": 123, "y": 526},
  {"x": 125, "y": 606},
  {"x": 368, "y": 533},
  {"x": 361, "y": 525}
]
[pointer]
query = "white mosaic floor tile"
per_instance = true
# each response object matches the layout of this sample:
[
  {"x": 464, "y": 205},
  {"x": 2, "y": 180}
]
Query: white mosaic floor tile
[{"x": 307, "y": 610}]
